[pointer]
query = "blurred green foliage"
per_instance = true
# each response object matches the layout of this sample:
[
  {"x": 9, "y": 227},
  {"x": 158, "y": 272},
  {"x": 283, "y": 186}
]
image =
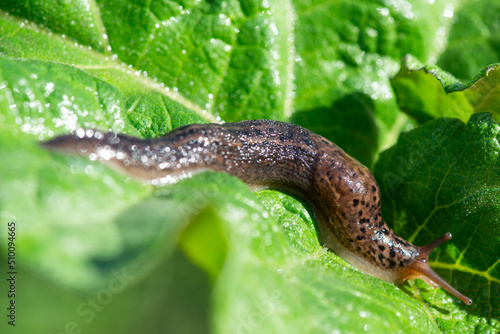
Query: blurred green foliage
[{"x": 99, "y": 252}]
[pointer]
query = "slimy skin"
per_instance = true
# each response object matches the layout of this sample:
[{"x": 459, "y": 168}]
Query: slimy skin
[{"x": 343, "y": 193}]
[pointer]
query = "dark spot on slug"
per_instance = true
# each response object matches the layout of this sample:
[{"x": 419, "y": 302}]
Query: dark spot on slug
[
  {"x": 307, "y": 141},
  {"x": 374, "y": 189},
  {"x": 392, "y": 253},
  {"x": 355, "y": 202},
  {"x": 381, "y": 247},
  {"x": 360, "y": 213}
]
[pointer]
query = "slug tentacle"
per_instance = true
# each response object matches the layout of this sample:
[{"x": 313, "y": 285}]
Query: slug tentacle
[
  {"x": 268, "y": 154},
  {"x": 421, "y": 269}
]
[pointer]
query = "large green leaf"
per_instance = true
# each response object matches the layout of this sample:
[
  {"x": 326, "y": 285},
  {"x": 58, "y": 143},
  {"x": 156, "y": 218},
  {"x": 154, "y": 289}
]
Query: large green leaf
[
  {"x": 351, "y": 48},
  {"x": 300, "y": 272},
  {"x": 428, "y": 92},
  {"x": 146, "y": 67},
  {"x": 110, "y": 309},
  {"x": 445, "y": 177},
  {"x": 474, "y": 38},
  {"x": 167, "y": 47},
  {"x": 275, "y": 262}
]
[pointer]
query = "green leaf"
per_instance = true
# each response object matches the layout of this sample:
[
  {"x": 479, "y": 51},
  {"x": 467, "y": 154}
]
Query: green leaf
[
  {"x": 205, "y": 232},
  {"x": 77, "y": 20},
  {"x": 352, "y": 48},
  {"x": 183, "y": 301},
  {"x": 473, "y": 38},
  {"x": 442, "y": 177},
  {"x": 146, "y": 67},
  {"x": 349, "y": 123},
  {"x": 46, "y": 98},
  {"x": 73, "y": 215},
  {"x": 427, "y": 92},
  {"x": 272, "y": 266},
  {"x": 234, "y": 47}
]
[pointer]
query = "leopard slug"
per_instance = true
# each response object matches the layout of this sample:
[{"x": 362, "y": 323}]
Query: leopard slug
[{"x": 342, "y": 192}]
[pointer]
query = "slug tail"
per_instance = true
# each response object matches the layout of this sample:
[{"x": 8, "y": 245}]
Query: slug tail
[
  {"x": 113, "y": 149},
  {"x": 421, "y": 269},
  {"x": 62, "y": 144}
]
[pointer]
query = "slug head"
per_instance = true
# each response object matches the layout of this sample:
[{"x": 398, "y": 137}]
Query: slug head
[{"x": 421, "y": 269}]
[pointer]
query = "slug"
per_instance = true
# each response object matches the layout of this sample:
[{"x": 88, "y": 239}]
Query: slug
[{"x": 342, "y": 192}]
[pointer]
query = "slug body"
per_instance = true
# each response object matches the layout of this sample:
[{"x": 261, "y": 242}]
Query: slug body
[{"x": 268, "y": 154}]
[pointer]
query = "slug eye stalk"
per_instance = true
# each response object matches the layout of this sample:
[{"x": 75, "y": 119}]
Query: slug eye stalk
[{"x": 421, "y": 269}]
